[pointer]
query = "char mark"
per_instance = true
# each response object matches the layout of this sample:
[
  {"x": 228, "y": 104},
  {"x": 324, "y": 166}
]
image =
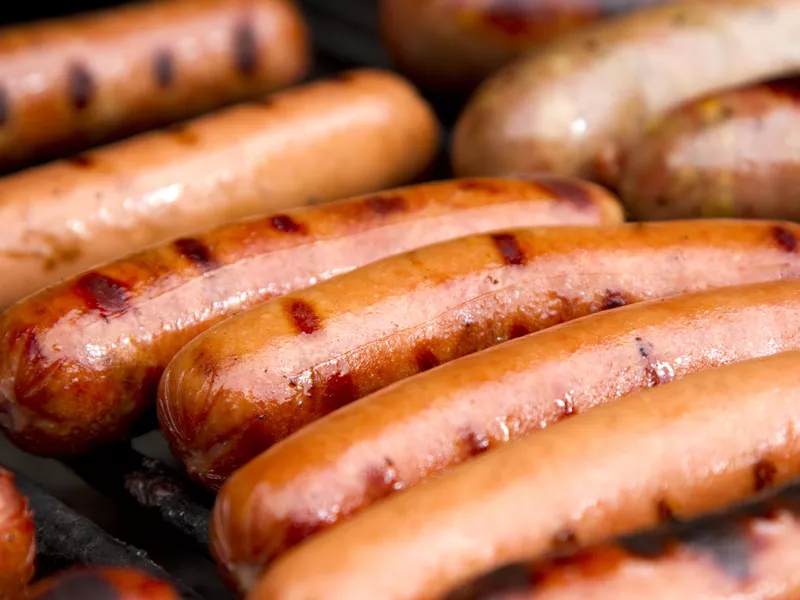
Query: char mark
[
  {"x": 764, "y": 473},
  {"x": 386, "y": 205},
  {"x": 784, "y": 238},
  {"x": 163, "y": 69},
  {"x": 614, "y": 299},
  {"x": 285, "y": 224},
  {"x": 5, "y": 106},
  {"x": 102, "y": 294},
  {"x": 245, "y": 48},
  {"x": 196, "y": 252},
  {"x": 509, "y": 248},
  {"x": 303, "y": 316},
  {"x": 474, "y": 443},
  {"x": 426, "y": 360},
  {"x": 479, "y": 185},
  {"x": 567, "y": 190},
  {"x": 80, "y": 86}
]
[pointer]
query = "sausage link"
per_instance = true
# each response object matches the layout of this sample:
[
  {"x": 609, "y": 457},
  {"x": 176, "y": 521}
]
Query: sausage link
[
  {"x": 727, "y": 155},
  {"x": 101, "y": 583},
  {"x": 681, "y": 450},
  {"x": 234, "y": 391},
  {"x": 454, "y": 44},
  {"x": 80, "y": 361},
  {"x": 17, "y": 543},
  {"x": 359, "y": 132},
  {"x": 749, "y": 551},
  {"x": 68, "y": 84},
  {"x": 400, "y": 436},
  {"x": 576, "y": 106}
]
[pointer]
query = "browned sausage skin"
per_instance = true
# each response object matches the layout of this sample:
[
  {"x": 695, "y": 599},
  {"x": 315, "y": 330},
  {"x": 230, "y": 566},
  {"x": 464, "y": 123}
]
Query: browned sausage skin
[
  {"x": 81, "y": 360},
  {"x": 726, "y": 155},
  {"x": 358, "y": 132},
  {"x": 354, "y": 457},
  {"x": 676, "y": 451},
  {"x": 17, "y": 544},
  {"x": 576, "y": 106},
  {"x": 749, "y": 549},
  {"x": 102, "y": 583},
  {"x": 262, "y": 375},
  {"x": 95, "y": 77}
]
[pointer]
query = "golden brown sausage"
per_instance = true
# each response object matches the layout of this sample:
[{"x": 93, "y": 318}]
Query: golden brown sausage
[
  {"x": 251, "y": 381},
  {"x": 71, "y": 83},
  {"x": 81, "y": 360},
  {"x": 359, "y": 132},
  {"x": 102, "y": 583},
  {"x": 17, "y": 544}
]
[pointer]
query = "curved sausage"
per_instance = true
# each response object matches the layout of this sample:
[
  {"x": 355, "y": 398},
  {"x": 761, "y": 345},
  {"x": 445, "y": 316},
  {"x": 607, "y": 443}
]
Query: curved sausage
[
  {"x": 17, "y": 544},
  {"x": 359, "y": 132},
  {"x": 234, "y": 391},
  {"x": 694, "y": 446},
  {"x": 749, "y": 551},
  {"x": 454, "y": 44},
  {"x": 727, "y": 155},
  {"x": 400, "y": 436},
  {"x": 101, "y": 583},
  {"x": 575, "y": 107},
  {"x": 80, "y": 361},
  {"x": 71, "y": 83}
]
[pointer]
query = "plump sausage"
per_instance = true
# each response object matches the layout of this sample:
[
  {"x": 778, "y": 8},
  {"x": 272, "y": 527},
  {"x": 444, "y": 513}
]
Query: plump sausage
[
  {"x": 574, "y": 107},
  {"x": 749, "y": 551},
  {"x": 396, "y": 438},
  {"x": 454, "y": 44},
  {"x": 70, "y": 83},
  {"x": 81, "y": 360},
  {"x": 101, "y": 583},
  {"x": 727, "y": 155},
  {"x": 17, "y": 544},
  {"x": 359, "y": 132},
  {"x": 234, "y": 391},
  {"x": 680, "y": 450}
]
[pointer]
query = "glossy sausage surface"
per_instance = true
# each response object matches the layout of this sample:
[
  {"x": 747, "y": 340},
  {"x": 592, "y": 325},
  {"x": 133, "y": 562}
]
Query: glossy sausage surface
[
  {"x": 253, "y": 380},
  {"x": 734, "y": 154},
  {"x": 81, "y": 360},
  {"x": 71, "y": 83},
  {"x": 681, "y": 450},
  {"x": 397, "y": 437},
  {"x": 17, "y": 544},
  {"x": 102, "y": 583},
  {"x": 454, "y": 44},
  {"x": 358, "y": 132},
  {"x": 575, "y": 107},
  {"x": 748, "y": 551}
]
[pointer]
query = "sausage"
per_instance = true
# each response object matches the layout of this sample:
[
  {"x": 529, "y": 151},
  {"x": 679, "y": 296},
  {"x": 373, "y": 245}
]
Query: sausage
[
  {"x": 454, "y": 44},
  {"x": 17, "y": 544},
  {"x": 576, "y": 106},
  {"x": 727, "y": 155},
  {"x": 234, "y": 391},
  {"x": 101, "y": 583},
  {"x": 80, "y": 361},
  {"x": 68, "y": 84},
  {"x": 677, "y": 451},
  {"x": 746, "y": 552},
  {"x": 358, "y": 132},
  {"x": 399, "y": 436}
]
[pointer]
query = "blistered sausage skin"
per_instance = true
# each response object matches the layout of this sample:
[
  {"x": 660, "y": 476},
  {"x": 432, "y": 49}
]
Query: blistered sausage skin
[
  {"x": 749, "y": 551},
  {"x": 385, "y": 442},
  {"x": 575, "y": 107},
  {"x": 71, "y": 83},
  {"x": 732, "y": 154},
  {"x": 358, "y": 132},
  {"x": 234, "y": 391},
  {"x": 102, "y": 583},
  {"x": 454, "y": 44},
  {"x": 81, "y": 360},
  {"x": 677, "y": 451},
  {"x": 17, "y": 544}
]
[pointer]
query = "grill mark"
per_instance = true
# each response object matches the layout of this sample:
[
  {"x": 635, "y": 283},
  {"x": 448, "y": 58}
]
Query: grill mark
[
  {"x": 784, "y": 238},
  {"x": 82, "y": 161},
  {"x": 80, "y": 86},
  {"x": 196, "y": 252},
  {"x": 381, "y": 480},
  {"x": 285, "y": 224},
  {"x": 509, "y": 248},
  {"x": 566, "y": 190},
  {"x": 183, "y": 135},
  {"x": 245, "y": 48},
  {"x": 764, "y": 473},
  {"x": 386, "y": 205},
  {"x": 163, "y": 69},
  {"x": 5, "y": 106},
  {"x": 614, "y": 299},
  {"x": 426, "y": 359},
  {"x": 81, "y": 585},
  {"x": 664, "y": 511},
  {"x": 519, "y": 329},
  {"x": 478, "y": 185},
  {"x": 298, "y": 530},
  {"x": 302, "y": 315},
  {"x": 475, "y": 443},
  {"x": 102, "y": 294},
  {"x": 340, "y": 390}
]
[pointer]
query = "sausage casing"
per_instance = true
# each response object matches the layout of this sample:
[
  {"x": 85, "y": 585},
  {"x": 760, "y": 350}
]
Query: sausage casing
[
  {"x": 234, "y": 391},
  {"x": 17, "y": 543},
  {"x": 383, "y": 443},
  {"x": 71, "y": 83},
  {"x": 88, "y": 583}
]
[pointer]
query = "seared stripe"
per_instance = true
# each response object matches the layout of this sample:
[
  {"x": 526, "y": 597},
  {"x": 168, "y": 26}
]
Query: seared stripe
[
  {"x": 426, "y": 359},
  {"x": 163, "y": 69},
  {"x": 195, "y": 252},
  {"x": 5, "y": 106},
  {"x": 567, "y": 190},
  {"x": 302, "y": 315},
  {"x": 479, "y": 185},
  {"x": 103, "y": 294},
  {"x": 82, "y": 161},
  {"x": 245, "y": 48},
  {"x": 286, "y": 224},
  {"x": 764, "y": 473},
  {"x": 614, "y": 299},
  {"x": 381, "y": 480},
  {"x": 386, "y": 205},
  {"x": 784, "y": 238},
  {"x": 475, "y": 443},
  {"x": 509, "y": 247},
  {"x": 86, "y": 585},
  {"x": 80, "y": 86}
]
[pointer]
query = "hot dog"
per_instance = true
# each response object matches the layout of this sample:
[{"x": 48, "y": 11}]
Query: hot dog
[
  {"x": 684, "y": 449},
  {"x": 749, "y": 551},
  {"x": 234, "y": 391},
  {"x": 727, "y": 155},
  {"x": 80, "y": 361},
  {"x": 454, "y": 44},
  {"x": 356, "y": 133},
  {"x": 70, "y": 83},
  {"x": 17, "y": 544},
  {"x": 316, "y": 478},
  {"x": 89, "y": 583},
  {"x": 574, "y": 107}
]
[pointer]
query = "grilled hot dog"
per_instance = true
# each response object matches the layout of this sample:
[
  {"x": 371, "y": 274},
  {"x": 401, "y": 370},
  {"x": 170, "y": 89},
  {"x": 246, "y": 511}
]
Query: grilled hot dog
[
  {"x": 101, "y": 583},
  {"x": 17, "y": 544}
]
